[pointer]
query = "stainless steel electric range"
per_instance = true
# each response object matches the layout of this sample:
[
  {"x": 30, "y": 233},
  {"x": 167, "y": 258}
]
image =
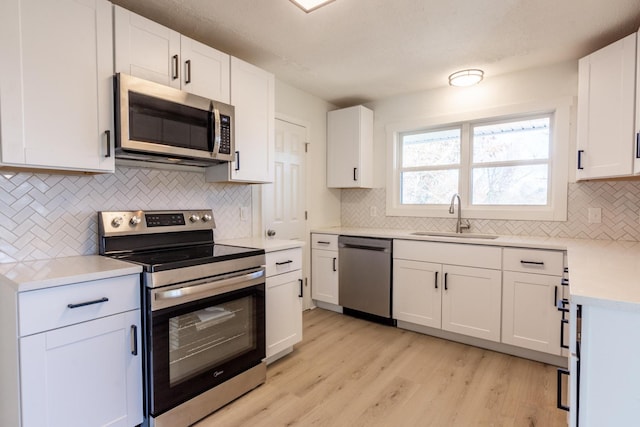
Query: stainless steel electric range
[{"x": 204, "y": 311}]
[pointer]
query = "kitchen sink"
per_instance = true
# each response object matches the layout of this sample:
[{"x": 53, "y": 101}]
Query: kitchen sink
[{"x": 458, "y": 235}]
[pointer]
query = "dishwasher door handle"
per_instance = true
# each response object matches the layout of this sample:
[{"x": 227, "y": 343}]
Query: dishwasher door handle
[{"x": 363, "y": 247}]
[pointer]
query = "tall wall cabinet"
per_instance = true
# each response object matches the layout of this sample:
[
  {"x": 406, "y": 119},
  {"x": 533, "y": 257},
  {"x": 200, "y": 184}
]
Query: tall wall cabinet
[
  {"x": 608, "y": 116},
  {"x": 56, "y": 108}
]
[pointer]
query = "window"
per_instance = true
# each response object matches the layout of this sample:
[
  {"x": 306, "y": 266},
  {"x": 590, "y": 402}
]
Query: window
[{"x": 504, "y": 167}]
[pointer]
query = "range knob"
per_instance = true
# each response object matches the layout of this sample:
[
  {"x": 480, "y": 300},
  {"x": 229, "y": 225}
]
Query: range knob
[
  {"x": 194, "y": 218},
  {"x": 135, "y": 220},
  {"x": 206, "y": 218},
  {"x": 117, "y": 222}
]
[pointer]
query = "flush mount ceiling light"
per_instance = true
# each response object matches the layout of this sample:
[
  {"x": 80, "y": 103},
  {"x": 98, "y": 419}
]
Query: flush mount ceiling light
[
  {"x": 466, "y": 77},
  {"x": 310, "y": 5}
]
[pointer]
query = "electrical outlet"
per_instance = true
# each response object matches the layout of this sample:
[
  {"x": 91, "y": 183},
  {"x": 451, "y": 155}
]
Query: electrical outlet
[
  {"x": 244, "y": 213},
  {"x": 373, "y": 211},
  {"x": 595, "y": 215}
]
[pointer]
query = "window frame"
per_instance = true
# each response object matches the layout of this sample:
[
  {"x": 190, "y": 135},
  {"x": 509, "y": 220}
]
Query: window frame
[{"x": 556, "y": 209}]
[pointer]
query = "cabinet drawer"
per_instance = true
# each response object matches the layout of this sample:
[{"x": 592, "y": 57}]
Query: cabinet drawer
[
  {"x": 449, "y": 253},
  {"x": 324, "y": 241},
  {"x": 46, "y": 309},
  {"x": 534, "y": 261},
  {"x": 279, "y": 262}
]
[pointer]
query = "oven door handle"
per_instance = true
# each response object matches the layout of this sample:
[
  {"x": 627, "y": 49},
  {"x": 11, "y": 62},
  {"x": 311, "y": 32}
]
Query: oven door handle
[{"x": 217, "y": 286}]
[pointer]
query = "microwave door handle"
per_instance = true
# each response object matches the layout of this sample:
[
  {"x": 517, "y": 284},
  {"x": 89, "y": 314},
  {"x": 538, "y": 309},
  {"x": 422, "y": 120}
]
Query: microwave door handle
[{"x": 216, "y": 132}]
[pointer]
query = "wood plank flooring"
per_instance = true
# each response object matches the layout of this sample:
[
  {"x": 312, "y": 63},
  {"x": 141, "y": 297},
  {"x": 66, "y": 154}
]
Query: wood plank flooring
[{"x": 350, "y": 372}]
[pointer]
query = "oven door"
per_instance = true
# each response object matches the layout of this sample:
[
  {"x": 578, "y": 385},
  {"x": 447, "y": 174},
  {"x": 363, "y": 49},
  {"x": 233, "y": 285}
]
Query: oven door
[{"x": 214, "y": 331}]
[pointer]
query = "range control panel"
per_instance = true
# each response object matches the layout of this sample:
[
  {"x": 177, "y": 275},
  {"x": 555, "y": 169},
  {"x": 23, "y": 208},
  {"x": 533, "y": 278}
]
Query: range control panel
[{"x": 142, "y": 222}]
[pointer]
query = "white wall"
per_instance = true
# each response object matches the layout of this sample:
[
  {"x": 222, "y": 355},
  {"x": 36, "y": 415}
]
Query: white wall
[
  {"x": 532, "y": 85},
  {"x": 323, "y": 204}
]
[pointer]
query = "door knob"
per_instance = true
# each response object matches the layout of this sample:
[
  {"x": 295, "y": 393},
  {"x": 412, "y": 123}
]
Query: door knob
[{"x": 271, "y": 233}]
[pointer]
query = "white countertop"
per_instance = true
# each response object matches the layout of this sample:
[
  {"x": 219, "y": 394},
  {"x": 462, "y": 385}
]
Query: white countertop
[
  {"x": 269, "y": 245},
  {"x": 32, "y": 275},
  {"x": 601, "y": 272}
]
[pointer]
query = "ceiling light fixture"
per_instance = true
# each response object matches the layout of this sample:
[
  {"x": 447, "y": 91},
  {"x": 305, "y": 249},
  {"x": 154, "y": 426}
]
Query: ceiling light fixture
[
  {"x": 466, "y": 77},
  {"x": 310, "y": 5}
]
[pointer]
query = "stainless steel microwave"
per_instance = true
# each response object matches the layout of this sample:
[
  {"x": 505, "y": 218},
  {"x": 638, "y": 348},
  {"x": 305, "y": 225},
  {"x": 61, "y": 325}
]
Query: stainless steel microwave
[{"x": 162, "y": 124}]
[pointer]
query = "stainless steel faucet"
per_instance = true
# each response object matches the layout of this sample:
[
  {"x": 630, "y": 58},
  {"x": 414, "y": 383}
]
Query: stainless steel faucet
[{"x": 459, "y": 224}]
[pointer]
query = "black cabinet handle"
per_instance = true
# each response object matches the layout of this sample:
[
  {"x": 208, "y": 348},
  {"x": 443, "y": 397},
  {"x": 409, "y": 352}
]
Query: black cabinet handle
[
  {"x": 187, "y": 64},
  {"x": 638, "y": 145},
  {"x": 446, "y": 288},
  {"x": 174, "y": 67},
  {"x": 559, "y": 404},
  {"x": 134, "y": 340},
  {"x": 531, "y": 262},
  {"x": 108, "y": 133},
  {"x": 555, "y": 296},
  {"x": 564, "y": 282},
  {"x": 83, "y": 304},
  {"x": 580, "y": 152},
  {"x": 284, "y": 262},
  {"x": 334, "y": 264},
  {"x": 301, "y": 282},
  {"x": 355, "y": 174},
  {"x": 321, "y": 242},
  {"x": 237, "y": 160},
  {"x": 562, "y": 323},
  {"x": 436, "y": 281}
]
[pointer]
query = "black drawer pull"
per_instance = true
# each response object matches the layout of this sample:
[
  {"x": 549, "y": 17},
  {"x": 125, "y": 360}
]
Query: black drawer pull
[
  {"x": 564, "y": 282},
  {"x": 531, "y": 262},
  {"x": 436, "y": 280},
  {"x": 322, "y": 242},
  {"x": 134, "y": 340},
  {"x": 562, "y": 323},
  {"x": 580, "y": 152},
  {"x": 301, "y": 282},
  {"x": 82, "y": 304},
  {"x": 446, "y": 287},
  {"x": 108, "y": 133},
  {"x": 559, "y": 404},
  {"x": 334, "y": 264},
  {"x": 284, "y": 262}
]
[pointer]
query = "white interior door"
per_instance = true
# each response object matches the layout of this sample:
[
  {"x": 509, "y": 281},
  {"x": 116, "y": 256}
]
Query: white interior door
[{"x": 284, "y": 201}]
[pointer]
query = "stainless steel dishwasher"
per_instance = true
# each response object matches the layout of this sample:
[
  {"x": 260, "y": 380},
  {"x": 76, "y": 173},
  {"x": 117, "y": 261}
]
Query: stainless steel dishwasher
[{"x": 365, "y": 277}]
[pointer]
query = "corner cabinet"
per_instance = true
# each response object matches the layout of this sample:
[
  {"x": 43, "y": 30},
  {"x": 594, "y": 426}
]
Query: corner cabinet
[
  {"x": 283, "y": 302},
  {"x": 350, "y": 148},
  {"x": 608, "y": 135},
  {"x": 253, "y": 96},
  {"x": 151, "y": 51},
  {"x": 56, "y": 107}
]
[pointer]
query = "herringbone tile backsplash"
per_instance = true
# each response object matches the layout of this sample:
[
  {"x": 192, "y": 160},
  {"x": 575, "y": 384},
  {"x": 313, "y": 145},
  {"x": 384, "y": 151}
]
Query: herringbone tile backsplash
[
  {"x": 48, "y": 215},
  {"x": 619, "y": 201}
]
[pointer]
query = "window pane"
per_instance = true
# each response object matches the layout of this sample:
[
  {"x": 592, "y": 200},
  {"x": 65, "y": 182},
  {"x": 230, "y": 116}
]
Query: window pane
[
  {"x": 429, "y": 187},
  {"x": 520, "y": 140},
  {"x": 515, "y": 185},
  {"x": 435, "y": 148}
]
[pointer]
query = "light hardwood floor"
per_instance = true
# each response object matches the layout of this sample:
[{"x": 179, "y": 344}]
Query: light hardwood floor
[{"x": 350, "y": 372}]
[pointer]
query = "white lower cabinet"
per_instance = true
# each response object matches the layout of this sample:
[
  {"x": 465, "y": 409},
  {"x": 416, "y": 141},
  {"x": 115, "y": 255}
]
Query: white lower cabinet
[
  {"x": 461, "y": 299},
  {"x": 86, "y": 374},
  {"x": 530, "y": 318},
  {"x": 324, "y": 268},
  {"x": 471, "y": 301},
  {"x": 283, "y": 302}
]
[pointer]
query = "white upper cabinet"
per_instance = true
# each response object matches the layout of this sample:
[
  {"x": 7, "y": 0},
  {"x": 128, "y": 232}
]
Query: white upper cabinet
[
  {"x": 350, "y": 148},
  {"x": 253, "y": 96},
  {"x": 56, "y": 102},
  {"x": 151, "y": 51},
  {"x": 607, "y": 142}
]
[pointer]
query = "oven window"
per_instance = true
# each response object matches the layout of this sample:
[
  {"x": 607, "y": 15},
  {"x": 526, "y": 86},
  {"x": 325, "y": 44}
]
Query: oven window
[
  {"x": 164, "y": 122},
  {"x": 210, "y": 337}
]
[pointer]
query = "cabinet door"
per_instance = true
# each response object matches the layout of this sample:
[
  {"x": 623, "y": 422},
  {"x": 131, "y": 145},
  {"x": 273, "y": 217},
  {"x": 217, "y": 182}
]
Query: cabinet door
[
  {"x": 146, "y": 49},
  {"x": 471, "y": 301},
  {"x": 606, "y": 88},
  {"x": 530, "y": 318},
  {"x": 324, "y": 276},
  {"x": 88, "y": 374},
  {"x": 283, "y": 311},
  {"x": 205, "y": 70},
  {"x": 350, "y": 148},
  {"x": 56, "y": 84},
  {"x": 416, "y": 292}
]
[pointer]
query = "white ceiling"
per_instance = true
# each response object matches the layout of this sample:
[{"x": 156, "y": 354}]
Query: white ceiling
[{"x": 356, "y": 51}]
